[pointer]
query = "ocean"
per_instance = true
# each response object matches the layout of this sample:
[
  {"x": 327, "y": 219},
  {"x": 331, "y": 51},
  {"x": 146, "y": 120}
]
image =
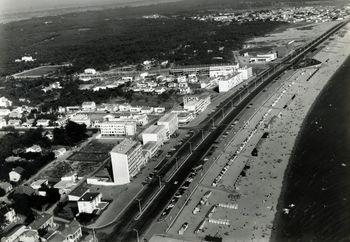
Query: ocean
[{"x": 316, "y": 187}]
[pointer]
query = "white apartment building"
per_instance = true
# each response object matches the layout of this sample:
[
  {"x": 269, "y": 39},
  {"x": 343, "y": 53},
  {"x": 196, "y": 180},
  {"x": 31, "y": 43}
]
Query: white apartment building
[
  {"x": 261, "y": 58},
  {"x": 155, "y": 133},
  {"x": 140, "y": 119},
  {"x": 246, "y": 72},
  {"x": 170, "y": 121},
  {"x": 196, "y": 104},
  {"x": 227, "y": 83},
  {"x": 43, "y": 122},
  {"x": 127, "y": 159},
  {"x": 215, "y": 71},
  {"x": 117, "y": 128}
]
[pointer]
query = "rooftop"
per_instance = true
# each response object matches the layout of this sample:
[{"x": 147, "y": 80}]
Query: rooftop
[
  {"x": 38, "y": 222},
  {"x": 70, "y": 228},
  {"x": 154, "y": 129},
  {"x": 149, "y": 145},
  {"x": 124, "y": 146},
  {"x": 79, "y": 191},
  {"x": 89, "y": 196},
  {"x": 167, "y": 117}
]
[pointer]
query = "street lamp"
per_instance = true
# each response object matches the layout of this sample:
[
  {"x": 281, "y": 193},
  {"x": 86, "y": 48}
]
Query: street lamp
[
  {"x": 137, "y": 235},
  {"x": 139, "y": 203},
  {"x": 159, "y": 181}
]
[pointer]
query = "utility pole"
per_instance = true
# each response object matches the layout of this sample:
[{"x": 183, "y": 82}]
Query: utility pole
[{"x": 159, "y": 182}]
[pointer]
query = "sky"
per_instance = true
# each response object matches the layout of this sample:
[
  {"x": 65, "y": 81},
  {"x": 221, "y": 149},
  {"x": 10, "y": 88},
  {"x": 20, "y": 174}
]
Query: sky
[{"x": 11, "y": 6}]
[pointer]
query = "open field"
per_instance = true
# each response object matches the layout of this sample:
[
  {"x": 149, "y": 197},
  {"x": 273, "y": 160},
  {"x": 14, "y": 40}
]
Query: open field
[{"x": 38, "y": 72}]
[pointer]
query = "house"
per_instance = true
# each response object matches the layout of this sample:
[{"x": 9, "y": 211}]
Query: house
[
  {"x": 34, "y": 149},
  {"x": 44, "y": 221},
  {"x": 8, "y": 213},
  {"x": 15, "y": 114},
  {"x": 89, "y": 202},
  {"x": 4, "y": 102},
  {"x": 7, "y": 187},
  {"x": 90, "y": 71},
  {"x": 21, "y": 233},
  {"x": 159, "y": 109},
  {"x": 36, "y": 185},
  {"x": 43, "y": 122},
  {"x": 14, "y": 122},
  {"x": 3, "y": 123},
  {"x": 88, "y": 106},
  {"x": 71, "y": 232},
  {"x": 77, "y": 193},
  {"x": 4, "y": 112},
  {"x": 59, "y": 152},
  {"x": 16, "y": 174}
]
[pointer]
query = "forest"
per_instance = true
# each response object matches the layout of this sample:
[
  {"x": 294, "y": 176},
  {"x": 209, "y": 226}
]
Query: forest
[{"x": 104, "y": 41}]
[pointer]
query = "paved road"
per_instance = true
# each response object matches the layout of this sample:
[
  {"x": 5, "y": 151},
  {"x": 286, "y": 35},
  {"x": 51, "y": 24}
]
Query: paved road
[{"x": 124, "y": 229}]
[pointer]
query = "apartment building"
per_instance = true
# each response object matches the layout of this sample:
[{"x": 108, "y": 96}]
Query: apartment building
[{"x": 127, "y": 159}]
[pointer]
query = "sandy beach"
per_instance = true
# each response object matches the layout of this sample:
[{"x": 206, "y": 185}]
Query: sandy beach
[{"x": 242, "y": 205}]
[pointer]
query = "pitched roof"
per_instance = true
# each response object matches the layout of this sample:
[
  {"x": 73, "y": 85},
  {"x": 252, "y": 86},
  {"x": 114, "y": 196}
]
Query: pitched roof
[
  {"x": 19, "y": 170},
  {"x": 38, "y": 222},
  {"x": 89, "y": 196}
]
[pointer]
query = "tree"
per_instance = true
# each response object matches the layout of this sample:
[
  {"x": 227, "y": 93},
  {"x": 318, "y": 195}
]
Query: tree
[
  {"x": 2, "y": 193},
  {"x": 75, "y": 132}
]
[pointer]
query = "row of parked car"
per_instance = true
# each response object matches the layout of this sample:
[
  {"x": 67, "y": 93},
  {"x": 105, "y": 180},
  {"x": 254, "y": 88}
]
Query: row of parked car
[{"x": 180, "y": 191}]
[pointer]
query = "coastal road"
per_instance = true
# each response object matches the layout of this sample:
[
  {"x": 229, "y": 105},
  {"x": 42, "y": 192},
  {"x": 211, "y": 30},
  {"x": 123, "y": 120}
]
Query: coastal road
[{"x": 211, "y": 129}]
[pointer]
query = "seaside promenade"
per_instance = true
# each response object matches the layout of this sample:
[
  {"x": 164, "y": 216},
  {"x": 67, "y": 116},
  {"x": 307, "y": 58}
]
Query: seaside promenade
[{"x": 271, "y": 126}]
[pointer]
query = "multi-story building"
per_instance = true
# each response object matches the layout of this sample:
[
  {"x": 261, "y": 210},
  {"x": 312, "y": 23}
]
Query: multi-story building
[
  {"x": 246, "y": 72},
  {"x": 196, "y": 104},
  {"x": 155, "y": 133},
  {"x": 227, "y": 83},
  {"x": 140, "y": 119},
  {"x": 127, "y": 159},
  {"x": 170, "y": 121},
  {"x": 117, "y": 128}
]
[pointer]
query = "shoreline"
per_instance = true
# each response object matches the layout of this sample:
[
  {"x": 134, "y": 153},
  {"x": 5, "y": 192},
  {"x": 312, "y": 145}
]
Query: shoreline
[
  {"x": 284, "y": 110},
  {"x": 281, "y": 202}
]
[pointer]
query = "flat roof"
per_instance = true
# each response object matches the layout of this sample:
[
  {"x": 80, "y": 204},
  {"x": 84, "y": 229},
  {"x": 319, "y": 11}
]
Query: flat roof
[
  {"x": 153, "y": 129},
  {"x": 167, "y": 117},
  {"x": 150, "y": 145},
  {"x": 124, "y": 146}
]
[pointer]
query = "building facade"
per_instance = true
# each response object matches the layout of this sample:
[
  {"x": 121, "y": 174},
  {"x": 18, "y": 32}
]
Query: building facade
[
  {"x": 170, "y": 121},
  {"x": 117, "y": 128},
  {"x": 155, "y": 133},
  {"x": 127, "y": 160},
  {"x": 227, "y": 83}
]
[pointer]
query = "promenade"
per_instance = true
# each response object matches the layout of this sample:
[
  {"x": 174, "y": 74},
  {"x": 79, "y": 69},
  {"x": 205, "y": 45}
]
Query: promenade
[{"x": 279, "y": 114}]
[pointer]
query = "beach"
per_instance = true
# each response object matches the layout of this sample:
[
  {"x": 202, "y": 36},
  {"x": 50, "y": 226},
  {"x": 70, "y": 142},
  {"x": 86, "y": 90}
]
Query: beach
[{"x": 245, "y": 189}]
